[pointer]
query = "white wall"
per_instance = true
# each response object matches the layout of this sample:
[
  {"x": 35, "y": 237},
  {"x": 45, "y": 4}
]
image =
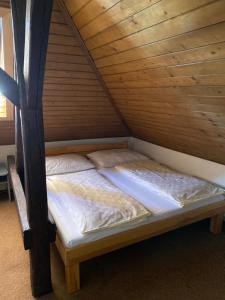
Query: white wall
[{"x": 189, "y": 164}]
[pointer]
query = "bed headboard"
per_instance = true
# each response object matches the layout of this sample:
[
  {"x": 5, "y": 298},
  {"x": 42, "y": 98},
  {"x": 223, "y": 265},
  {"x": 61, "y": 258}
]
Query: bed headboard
[{"x": 84, "y": 148}]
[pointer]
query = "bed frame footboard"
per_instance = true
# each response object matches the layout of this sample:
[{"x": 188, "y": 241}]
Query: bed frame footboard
[
  {"x": 72, "y": 272},
  {"x": 72, "y": 257}
]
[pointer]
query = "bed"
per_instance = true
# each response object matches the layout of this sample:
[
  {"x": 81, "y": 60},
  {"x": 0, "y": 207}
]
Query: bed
[{"x": 75, "y": 247}]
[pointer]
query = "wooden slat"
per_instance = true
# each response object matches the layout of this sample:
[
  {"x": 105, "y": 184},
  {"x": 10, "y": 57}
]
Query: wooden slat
[
  {"x": 202, "y": 54},
  {"x": 120, "y": 11},
  {"x": 189, "y": 40},
  {"x": 84, "y": 148},
  {"x": 163, "y": 62},
  {"x": 76, "y": 5},
  {"x": 151, "y": 16},
  {"x": 209, "y": 67},
  {"x": 92, "y": 10},
  {"x": 170, "y": 28},
  {"x": 5, "y": 3},
  {"x": 68, "y": 74}
]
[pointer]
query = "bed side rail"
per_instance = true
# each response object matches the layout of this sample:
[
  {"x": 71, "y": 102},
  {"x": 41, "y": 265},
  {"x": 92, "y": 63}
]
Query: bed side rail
[
  {"x": 20, "y": 202},
  {"x": 22, "y": 207}
]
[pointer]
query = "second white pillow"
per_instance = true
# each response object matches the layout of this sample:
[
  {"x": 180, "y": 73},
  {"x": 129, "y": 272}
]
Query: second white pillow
[{"x": 113, "y": 157}]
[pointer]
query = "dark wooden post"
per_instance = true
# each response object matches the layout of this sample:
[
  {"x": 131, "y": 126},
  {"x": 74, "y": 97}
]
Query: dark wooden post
[
  {"x": 19, "y": 145},
  {"x": 30, "y": 80},
  {"x": 18, "y": 132}
]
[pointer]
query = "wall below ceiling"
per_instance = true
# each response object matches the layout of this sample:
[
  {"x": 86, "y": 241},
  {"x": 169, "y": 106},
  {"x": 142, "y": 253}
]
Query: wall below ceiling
[
  {"x": 164, "y": 64},
  {"x": 75, "y": 104}
]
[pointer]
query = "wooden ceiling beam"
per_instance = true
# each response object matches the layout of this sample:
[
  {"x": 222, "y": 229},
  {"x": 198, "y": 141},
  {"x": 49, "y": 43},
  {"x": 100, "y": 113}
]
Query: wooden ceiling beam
[{"x": 9, "y": 88}]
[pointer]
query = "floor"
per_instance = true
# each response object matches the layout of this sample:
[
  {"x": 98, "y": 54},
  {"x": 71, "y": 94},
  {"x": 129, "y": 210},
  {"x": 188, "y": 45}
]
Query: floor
[{"x": 186, "y": 264}]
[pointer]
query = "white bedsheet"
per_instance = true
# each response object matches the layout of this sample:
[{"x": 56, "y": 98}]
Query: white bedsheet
[
  {"x": 71, "y": 236},
  {"x": 176, "y": 187},
  {"x": 156, "y": 203},
  {"x": 91, "y": 201}
]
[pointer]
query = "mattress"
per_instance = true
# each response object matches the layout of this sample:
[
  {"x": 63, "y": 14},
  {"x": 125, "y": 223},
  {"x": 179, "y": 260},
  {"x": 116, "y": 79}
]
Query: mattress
[
  {"x": 91, "y": 202},
  {"x": 71, "y": 237},
  {"x": 176, "y": 187},
  {"x": 155, "y": 202}
]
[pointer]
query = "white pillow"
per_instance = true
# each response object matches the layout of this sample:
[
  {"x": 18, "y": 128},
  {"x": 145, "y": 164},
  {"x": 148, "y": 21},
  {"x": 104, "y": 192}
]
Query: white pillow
[
  {"x": 111, "y": 158},
  {"x": 67, "y": 163}
]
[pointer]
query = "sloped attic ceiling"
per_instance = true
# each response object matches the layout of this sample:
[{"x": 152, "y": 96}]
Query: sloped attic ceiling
[
  {"x": 76, "y": 104},
  {"x": 164, "y": 64}
]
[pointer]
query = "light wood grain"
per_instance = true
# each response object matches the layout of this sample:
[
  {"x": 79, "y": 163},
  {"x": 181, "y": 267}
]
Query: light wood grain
[
  {"x": 163, "y": 62},
  {"x": 84, "y": 148},
  {"x": 69, "y": 74}
]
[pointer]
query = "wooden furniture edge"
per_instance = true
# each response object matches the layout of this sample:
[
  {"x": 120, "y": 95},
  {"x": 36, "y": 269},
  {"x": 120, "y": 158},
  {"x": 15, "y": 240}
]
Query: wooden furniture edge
[
  {"x": 216, "y": 223},
  {"x": 73, "y": 256},
  {"x": 21, "y": 202},
  {"x": 84, "y": 149}
]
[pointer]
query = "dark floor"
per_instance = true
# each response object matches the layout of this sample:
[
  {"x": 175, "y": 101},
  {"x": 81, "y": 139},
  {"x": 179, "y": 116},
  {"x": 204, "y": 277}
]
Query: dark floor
[{"x": 186, "y": 264}]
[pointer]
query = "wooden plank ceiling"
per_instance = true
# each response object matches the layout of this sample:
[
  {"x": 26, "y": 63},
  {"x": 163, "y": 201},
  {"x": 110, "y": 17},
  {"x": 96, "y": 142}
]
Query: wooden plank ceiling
[
  {"x": 164, "y": 64},
  {"x": 5, "y": 3},
  {"x": 76, "y": 105}
]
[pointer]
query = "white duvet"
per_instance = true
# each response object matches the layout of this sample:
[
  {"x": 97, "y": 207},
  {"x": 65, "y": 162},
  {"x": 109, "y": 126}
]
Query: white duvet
[
  {"x": 178, "y": 188},
  {"x": 91, "y": 201}
]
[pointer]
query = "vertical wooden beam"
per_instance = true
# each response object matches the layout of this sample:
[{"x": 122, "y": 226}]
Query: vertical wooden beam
[
  {"x": 216, "y": 224},
  {"x": 19, "y": 10},
  {"x": 19, "y": 145},
  {"x": 72, "y": 272},
  {"x": 38, "y": 15},
  {"x": 18, "y": 136}
]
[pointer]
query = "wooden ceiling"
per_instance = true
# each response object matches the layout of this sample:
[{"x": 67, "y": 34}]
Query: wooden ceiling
[
  {"x": 5, "y": 3},
  {"x": 164, "y": 64},
  {"x": 75, "y": 102}
]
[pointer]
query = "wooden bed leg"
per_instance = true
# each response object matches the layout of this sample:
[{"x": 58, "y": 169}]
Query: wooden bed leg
[
  {"x": 72, "y": 271},
  {"x": 216, "y": 224}
]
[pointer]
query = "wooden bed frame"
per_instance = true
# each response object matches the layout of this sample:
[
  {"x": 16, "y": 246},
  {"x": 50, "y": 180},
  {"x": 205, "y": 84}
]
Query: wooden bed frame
[{"x": 72, "y": 257}]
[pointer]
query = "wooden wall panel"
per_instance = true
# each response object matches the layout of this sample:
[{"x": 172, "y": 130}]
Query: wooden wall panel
[
  {"x": 5, "y": 3},
  {"x": 164, "y": 64},
  {"x": 75, "y": 104}
]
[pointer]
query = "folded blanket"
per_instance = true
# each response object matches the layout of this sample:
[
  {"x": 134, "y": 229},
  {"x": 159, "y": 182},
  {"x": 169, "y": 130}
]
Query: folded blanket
[
  {"x": 180, "y": 188},
  {"x": 91, "y": 201}
]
